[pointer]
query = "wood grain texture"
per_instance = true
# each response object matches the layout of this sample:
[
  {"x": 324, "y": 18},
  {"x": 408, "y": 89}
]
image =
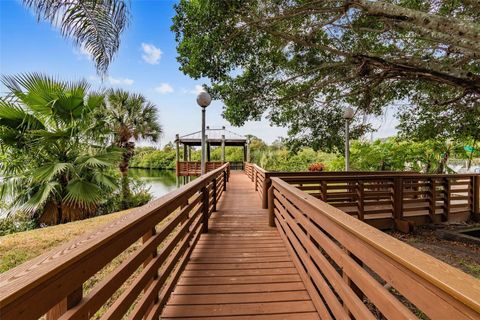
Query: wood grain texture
[
  {"x": 320, "y": 233},
  {"x": 241, "y": 267},
  {"x": 46, "y": 281}
]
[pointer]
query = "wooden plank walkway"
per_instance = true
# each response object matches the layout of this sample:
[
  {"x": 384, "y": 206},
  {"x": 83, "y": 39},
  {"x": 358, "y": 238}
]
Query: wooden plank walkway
[{"x": 241, "y": 269}]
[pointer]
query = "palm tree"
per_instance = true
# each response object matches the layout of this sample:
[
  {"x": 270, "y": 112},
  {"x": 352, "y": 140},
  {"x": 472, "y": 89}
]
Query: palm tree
[
  {"x": 130, "y": 117},
  {"x": 57, "y": 172},
  {"x": 94, "y": 25}
]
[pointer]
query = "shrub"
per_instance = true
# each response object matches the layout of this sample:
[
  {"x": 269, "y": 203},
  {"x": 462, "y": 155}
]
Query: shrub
[
  {"x": 17, "y": 223},
  {"x": 318, "y": 166}
]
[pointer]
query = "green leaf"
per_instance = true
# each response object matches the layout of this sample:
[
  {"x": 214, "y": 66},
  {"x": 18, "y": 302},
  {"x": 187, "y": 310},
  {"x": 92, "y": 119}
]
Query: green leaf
[
  {"x": 94, "y": 25},
  {"x": 40, "y": 197},
  {"x": 49, "y": 171},
  {"x": 101, "y": 160},
  {"x": 83, "y": 193},
  {"x": 105, "y": 180}
]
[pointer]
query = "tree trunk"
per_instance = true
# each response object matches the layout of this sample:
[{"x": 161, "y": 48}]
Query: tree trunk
[
  {"x": 443, "y": 163},
  {"x": 469, "y": 164},
  {"x": 127, "y": 155},
  {"x": 59, "y": 213}
]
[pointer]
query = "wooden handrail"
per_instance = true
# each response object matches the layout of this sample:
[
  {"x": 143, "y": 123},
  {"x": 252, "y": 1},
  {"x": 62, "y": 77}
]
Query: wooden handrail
[
  {"x": 52, "y": 283},
  {"x": 193, "y": 168},
  {"x": 343, "y": 261},
  {"x": 385, "y": 199}
]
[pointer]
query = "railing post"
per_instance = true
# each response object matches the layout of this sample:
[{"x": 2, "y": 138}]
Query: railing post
[
  {"x": 255, "y": 178},
  {"x": 145, "y": 238},
  {"x": 214, "y": 194},
  {"x": 271, "y": 206},
  {"x": 265, "y": 186},
  {"x": 360, "y": 197},
  {"x": 398, "y": 206},
  {"x": 476, "y": 197},
  {"x": 224, "y": 180},
  {"x": 433, "y": 200},
  {"x": 446, "y": 189},
  {"x": 67, "y": 303},
  {"x": 205, "y": 206}
]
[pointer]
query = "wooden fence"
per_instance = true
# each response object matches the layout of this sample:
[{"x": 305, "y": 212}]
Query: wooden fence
[
  {"x": 385, "y": 200},
  {"x": 140, "y": 254},
  {"x": 193, "y": 168},
  {"x": 353, "y": 270}
]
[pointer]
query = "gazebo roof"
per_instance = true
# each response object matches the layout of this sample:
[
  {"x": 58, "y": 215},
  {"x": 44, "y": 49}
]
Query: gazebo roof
[{"x": 214, "y": 136}]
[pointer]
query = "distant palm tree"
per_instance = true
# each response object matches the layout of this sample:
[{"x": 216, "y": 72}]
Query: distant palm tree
[
  {"x": 94, "y": 25},
  {"x": 48, "y": 131},
  {"x": 131, "y": 117}
]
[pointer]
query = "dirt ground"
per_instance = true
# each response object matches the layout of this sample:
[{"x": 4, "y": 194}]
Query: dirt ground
[{"x": 458, "y": 254}]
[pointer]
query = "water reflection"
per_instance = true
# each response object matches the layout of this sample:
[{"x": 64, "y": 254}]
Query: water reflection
[{"x": 160, "y": 182}]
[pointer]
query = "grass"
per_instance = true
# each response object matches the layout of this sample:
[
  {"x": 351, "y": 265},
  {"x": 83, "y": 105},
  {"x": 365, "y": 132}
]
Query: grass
[
  {"x": 472, "y": 268},
  {"x": 23, "y": 246},
  {"x": 17, "y": 248}
]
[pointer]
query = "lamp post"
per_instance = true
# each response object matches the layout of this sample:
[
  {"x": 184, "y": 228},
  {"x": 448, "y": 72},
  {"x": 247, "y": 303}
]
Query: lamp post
[
  {"x": 203, "y": 100},
  {"x": 348, "y": 116}
]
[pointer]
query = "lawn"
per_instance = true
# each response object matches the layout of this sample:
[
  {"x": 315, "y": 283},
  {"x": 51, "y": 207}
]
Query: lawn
[{"x": 19, "y": 247}]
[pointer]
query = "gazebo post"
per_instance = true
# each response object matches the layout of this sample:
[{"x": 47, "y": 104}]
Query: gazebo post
[
  {"x": 248, "y": 150},
  {"x": 177, "y": 154},
  {"x": 185, "y": 152},
  {"x": 189, "y": 153},
  {"x": 245, "y": 152},
  {"x": 223, "y": 148}
]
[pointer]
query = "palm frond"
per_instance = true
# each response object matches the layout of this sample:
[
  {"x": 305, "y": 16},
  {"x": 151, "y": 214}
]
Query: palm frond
[
  {"x": 83, "y": 193},
  {"x": 38, "y": 200},
  {"x": 101, "y": 160},
  {"x": 9, "y": 187},
  {"x": 48, "y": 172},
  {"x": 132, "y": 112},
  {"x": 15, "y": 117},
  {"x": 105, "y": 180},
  {"x": 95, "y": 25}
]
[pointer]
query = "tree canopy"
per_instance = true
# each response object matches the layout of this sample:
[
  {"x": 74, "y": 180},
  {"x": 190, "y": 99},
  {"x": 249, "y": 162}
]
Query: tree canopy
[
  {"x": 58, "y": 169},
  {"x": 302, "y": 61}
]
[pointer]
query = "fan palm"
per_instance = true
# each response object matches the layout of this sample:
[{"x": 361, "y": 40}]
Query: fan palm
[
  {"x": 94, "y": 25},
  {"x": 130, "y": 117},
  {"x": 48, "y": 130}
]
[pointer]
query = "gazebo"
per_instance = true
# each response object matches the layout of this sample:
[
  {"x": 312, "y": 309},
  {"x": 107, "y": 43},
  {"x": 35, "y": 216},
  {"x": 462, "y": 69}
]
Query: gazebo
[{"x": 219, "y": 137}]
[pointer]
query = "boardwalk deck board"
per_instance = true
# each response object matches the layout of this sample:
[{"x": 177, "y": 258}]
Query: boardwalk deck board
[{"x": 241, "y": 269}]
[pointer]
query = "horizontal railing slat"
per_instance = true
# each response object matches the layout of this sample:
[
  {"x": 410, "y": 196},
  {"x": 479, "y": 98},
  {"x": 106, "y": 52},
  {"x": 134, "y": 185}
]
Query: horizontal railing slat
[
  {"x": 47, "y": 280},
  {"x": 437, "y": 289}
]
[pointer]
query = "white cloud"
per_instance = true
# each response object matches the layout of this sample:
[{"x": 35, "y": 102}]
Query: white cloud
[
  {"x": 164, "y": 88},
  {"x": 151, "y": 54},
  {"x": 196, "y": 90},
  {"x": 83, "y": 53},
  {"x": 120, "y": 81}
]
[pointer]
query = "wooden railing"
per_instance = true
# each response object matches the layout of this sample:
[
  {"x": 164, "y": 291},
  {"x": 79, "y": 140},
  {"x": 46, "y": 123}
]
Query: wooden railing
[
  {"x": 385, "y": 199},
  {"x": 354, "y": 270},
  {"x": 236, "y": 165},
  {"x": 140, "y": 256},
  {"x": 193, "y": 168}
]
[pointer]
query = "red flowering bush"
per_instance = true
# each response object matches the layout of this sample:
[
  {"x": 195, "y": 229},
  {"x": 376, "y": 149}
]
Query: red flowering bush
[{"x": 318, "y": 166}]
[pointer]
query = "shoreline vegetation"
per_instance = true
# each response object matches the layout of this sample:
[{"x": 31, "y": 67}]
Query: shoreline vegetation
[
  {"x": 390, "y": 154},
  {"x": 65, "y": 150}
]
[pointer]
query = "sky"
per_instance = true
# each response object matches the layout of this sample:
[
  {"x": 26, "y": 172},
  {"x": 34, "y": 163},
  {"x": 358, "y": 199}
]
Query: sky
[{"x": 146, "y": 63}]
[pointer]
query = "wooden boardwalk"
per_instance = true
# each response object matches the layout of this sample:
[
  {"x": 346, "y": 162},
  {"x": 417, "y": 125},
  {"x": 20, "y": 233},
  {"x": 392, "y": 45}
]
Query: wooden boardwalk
[{"x": 241, "y": 269}]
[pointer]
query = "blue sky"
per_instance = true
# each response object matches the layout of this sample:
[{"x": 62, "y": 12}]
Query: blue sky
[{"x": 146, "y": 63}]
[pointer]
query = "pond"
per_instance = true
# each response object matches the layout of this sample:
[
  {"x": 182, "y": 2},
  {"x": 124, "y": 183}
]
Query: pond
[{"x": 160, "y": 182}]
